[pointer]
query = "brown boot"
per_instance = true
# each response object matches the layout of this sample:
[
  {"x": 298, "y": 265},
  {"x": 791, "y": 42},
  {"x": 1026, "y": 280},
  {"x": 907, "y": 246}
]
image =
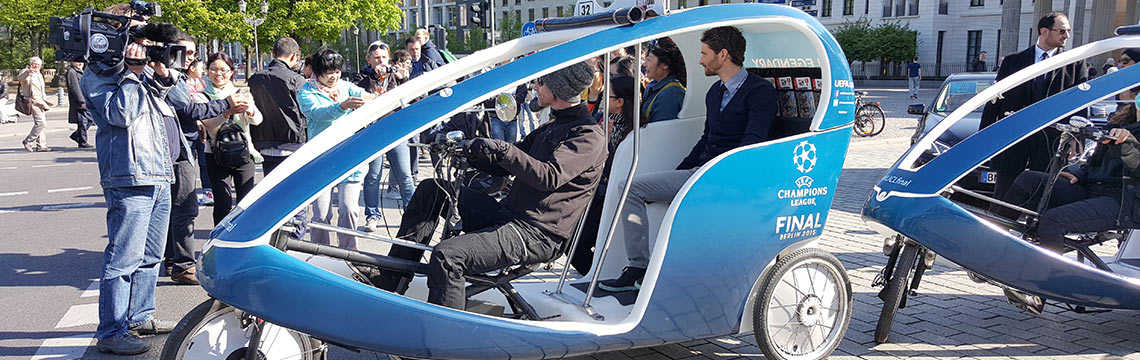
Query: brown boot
[{"x": 185, "y": 277}]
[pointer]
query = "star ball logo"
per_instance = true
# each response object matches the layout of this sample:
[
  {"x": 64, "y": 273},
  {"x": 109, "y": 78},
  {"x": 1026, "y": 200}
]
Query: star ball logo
[{"x": 804, "y": 157}]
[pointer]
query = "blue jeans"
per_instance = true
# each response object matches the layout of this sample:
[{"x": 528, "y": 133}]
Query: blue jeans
[
  {"x": 506, "y": 131},
  {"x": 399, "y": 160},
  {"x": 137, "y": 219}
]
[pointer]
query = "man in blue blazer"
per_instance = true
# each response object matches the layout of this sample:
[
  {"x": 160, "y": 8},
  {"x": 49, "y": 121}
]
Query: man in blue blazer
[{"x": 739, "y": 111}]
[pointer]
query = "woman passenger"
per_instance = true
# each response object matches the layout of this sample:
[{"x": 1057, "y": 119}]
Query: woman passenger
[
  {"x": 665, "y": 66},
  {"x": 325, "y": 99}
]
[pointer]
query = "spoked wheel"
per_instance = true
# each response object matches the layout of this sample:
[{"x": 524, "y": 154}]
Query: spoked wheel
[
  {"x": 214, "y": 330},
  {"x": 896, "y": 289},
  {"x": 864, "y": 126},
  {"x": 804, "y": 306},
  {"x": 875, "y": 114}
]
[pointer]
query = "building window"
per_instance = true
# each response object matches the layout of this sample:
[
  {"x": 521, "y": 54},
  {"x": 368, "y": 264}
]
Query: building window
[
  {"x": 977, "y": 3},
  {"x": 462, "y": 17},
  {"x": 886, "y": 8},
  {"x": 545, "y": 12},
  {"x": 900, "y": 7},
  {"x": 560, "y": 12},
  {"x": 518, "y": 15},
  {"x": 973, "y": 45},
  {"x": 867, "y": 7},
  {"x": 505, "y": 2},
  {"x": 913, "y": 7},
  {"x": 530, "y": 13},
  {"x": 518, "y": 2},
  {"x": 682, "y": 4},
  {"x": 848, "y": 7},
  {"x": 943, "y": 7},
  {"x": 825, "y": 9}
]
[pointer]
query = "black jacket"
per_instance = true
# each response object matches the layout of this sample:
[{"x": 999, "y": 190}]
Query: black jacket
[
  {"x": 274, "y": 92},
  {"x": 1032, "y": 152},
  {"x": 555, "y": 167},
  {"x": 430, "y": 52},
  {"x": 1103, "y": 174},
  {"x": 75, "y": 99},
  {"x": 744, "y": 121},
  {"x": 368, "y": 80}
]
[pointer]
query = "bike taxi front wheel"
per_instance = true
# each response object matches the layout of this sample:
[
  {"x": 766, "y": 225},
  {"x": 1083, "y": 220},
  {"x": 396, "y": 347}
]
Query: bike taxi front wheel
[
  {"x": 804, "y": 306},
  {"x": 895, "y": 290},
  {"x": 214, "y": 330}
]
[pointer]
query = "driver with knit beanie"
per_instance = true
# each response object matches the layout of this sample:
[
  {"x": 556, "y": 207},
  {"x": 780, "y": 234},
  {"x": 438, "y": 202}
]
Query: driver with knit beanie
[{"x": 556, "y": 168}]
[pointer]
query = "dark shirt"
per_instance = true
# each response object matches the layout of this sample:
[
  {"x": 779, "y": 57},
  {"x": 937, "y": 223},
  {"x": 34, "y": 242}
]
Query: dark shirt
[
  {"x": 274, "y": 93},
  {"x": 978, "y": 66},
  {"x": 744, "y": 121},
  {"x": 555, "y": 167},
  {"x": 431, "y": 52},
  {"x": 912, "y": 69}
]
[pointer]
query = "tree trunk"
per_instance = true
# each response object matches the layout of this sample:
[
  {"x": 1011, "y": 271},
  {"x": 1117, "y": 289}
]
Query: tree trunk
[{"x": 248, "y": 62}]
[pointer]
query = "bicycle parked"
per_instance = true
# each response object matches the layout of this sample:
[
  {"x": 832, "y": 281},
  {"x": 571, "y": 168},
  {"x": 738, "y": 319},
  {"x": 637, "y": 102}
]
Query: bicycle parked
[{"x": 869, "y": 116}]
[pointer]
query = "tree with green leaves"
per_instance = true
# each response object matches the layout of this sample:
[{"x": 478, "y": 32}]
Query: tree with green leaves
[{"x": 510, "y": 28}]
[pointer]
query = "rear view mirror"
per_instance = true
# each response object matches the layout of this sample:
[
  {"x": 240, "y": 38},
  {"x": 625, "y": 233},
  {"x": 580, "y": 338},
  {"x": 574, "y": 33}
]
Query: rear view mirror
[
  {"x": 1079, "y": 122},
  {"x": 916, "y": 109}
]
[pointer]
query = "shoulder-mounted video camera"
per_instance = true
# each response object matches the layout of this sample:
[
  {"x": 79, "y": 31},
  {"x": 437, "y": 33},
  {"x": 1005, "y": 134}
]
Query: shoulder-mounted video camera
[{"x": 93, "y": 36}]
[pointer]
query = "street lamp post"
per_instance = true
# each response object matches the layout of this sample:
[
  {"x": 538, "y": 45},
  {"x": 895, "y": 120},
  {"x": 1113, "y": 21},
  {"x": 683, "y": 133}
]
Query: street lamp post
[
  {"x": 255, "y": 21},
  {"x": 356, "y": 33}
]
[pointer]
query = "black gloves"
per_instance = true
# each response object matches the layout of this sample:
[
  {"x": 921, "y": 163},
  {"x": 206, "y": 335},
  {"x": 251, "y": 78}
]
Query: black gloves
[{"x": 490, "y": 149}]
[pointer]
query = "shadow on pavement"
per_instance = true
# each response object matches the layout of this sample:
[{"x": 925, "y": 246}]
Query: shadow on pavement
[{"x": 26, "y": 270}]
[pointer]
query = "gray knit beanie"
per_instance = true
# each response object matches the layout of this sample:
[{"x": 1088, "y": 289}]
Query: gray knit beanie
[{"x": 569, "y": 82}]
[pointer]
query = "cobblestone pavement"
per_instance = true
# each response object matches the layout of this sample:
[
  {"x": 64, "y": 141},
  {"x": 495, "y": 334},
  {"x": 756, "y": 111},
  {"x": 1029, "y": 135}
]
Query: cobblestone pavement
[{"x": 952, "y": 317}]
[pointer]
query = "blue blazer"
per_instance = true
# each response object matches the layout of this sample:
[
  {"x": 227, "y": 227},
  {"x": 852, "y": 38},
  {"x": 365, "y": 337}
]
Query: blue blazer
[{"x": 744, "y": 121}]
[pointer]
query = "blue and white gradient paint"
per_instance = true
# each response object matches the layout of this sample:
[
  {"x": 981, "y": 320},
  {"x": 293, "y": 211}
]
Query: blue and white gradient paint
[{"x": 732, "y": 219}]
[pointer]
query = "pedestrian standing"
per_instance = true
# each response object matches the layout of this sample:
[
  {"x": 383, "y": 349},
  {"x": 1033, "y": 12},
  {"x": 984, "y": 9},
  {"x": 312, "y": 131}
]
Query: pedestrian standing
[
  {"x": 227, "y": 178},
  {"x": 1109, "y": 66},
  {"x": 77, "y": 107},
  {"x": 979, "y": 64},
  {"x": 428, "y": 48},
  {"x": 195, "y": 83},
  {"x": 377, "y": 78},
  {"x": 274, "y": 90},
  {"x": 32, "y": 88},
  {"x": 914, "y": 76},
  {"x": 4, "y": 102},
  {"x": 326, "y": 99}
]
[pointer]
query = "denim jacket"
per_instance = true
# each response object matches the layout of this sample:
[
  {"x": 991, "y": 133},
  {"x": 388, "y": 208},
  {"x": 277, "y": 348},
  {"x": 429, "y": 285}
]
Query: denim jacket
[{"x": 131, "y": 137}]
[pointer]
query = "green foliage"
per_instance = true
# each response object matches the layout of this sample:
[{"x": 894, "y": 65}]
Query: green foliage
[
  {"x": 477, "y": 40},
  {"x": 510, "y": 28},
  {"x": 887, "y": 41}
]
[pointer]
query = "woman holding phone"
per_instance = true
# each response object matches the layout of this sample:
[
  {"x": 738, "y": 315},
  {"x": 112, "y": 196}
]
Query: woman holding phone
[
  {"x": 220, "y": 71},
  {"x": 325, "y": 99}
]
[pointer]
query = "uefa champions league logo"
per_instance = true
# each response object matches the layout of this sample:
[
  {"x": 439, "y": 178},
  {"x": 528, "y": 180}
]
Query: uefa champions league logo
[{"x": 804, "y": 157}]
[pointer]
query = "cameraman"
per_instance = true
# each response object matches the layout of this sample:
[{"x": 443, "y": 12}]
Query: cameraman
[{"x": 138, "y": 141}]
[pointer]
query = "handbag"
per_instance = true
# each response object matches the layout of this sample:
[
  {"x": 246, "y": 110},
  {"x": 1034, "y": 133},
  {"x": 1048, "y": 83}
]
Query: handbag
[{"x": 23, "y": 104}]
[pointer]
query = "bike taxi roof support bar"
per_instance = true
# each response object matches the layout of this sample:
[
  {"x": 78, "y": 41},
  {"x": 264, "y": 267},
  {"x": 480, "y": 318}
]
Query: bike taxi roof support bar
[
  {"x": 624, "y": 190},
  {"x": 609, "y": 129},
  {"x": 394, "y": 241}
]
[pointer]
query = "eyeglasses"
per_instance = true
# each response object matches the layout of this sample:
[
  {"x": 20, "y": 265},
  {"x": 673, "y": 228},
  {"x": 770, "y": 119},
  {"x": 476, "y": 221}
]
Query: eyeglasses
[
  {"x": 220, "y": 71},
  {"x": 1062, "y": 31}
]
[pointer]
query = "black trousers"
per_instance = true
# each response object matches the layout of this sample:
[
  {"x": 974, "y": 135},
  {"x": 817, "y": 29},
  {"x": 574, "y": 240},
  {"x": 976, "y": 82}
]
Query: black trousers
[
  {"x": 1072, "y": 208},
  {"x": 80, "y": 133},
  {"x": 221, "y": 179},
  {"x": 180, "y": 243},
  {"x": 493, "y": 246}
]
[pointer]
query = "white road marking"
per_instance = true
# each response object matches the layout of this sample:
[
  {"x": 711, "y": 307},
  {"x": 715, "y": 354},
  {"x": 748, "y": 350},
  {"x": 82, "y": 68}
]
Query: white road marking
[
  {"x": 77, "y": 315},
  {"x": 71, "y": 347},
  {"x": 92, "y": 290},
  {"x": 8, "y": 168},
  {"x": 70, "y": 206},
  {"x": 9, "y": 211},
  {"x": 69, "y": 189},
  {"x": 51, "y": 165},
  {"x": 13, "y": 193}
]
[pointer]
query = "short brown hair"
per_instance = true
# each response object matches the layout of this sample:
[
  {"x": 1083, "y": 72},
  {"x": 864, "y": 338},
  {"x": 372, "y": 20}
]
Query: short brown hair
[{"x": 726, "y": 38}]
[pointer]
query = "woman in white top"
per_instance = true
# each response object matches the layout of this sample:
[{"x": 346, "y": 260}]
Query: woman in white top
[{"x": 220, "y": 70}]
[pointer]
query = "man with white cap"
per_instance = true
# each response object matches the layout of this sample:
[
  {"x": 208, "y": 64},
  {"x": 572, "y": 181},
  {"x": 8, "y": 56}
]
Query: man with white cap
[{"x": 555, "y": 168}]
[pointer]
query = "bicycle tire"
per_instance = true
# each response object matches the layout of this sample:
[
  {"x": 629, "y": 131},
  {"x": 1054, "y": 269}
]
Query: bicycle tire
[
  {"x": 873, "y": 111},
  {"x": 863, "y": 126},
  {"x": 895, "y": 290}
]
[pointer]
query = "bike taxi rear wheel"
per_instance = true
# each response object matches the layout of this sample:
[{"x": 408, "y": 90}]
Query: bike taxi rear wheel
[
  {"x": 214, "y": 330},
  {"x": 895, "y": 290},
  {"x": 804, "y": 306}
]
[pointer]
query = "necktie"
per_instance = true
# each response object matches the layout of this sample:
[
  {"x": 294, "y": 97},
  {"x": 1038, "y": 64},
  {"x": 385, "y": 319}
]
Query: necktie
[
  {"x": 1039, "y": 83},
  {"x": 720, "y": 91}
]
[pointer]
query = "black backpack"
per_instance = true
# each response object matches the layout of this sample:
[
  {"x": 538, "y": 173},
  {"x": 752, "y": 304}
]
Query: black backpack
[{"x": 229, "y": 148}]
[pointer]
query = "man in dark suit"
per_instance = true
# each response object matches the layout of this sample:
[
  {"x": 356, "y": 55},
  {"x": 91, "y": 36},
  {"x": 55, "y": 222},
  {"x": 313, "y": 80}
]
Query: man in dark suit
[
  {"x": 1032, "y": 152},
  {"x": 738, "y": 111},
  {"x": 77, "y": 107}
]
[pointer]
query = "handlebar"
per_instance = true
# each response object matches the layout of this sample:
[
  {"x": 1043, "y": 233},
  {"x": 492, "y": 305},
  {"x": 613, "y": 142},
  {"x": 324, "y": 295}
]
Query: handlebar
[{"x": 1085, "y": 132}]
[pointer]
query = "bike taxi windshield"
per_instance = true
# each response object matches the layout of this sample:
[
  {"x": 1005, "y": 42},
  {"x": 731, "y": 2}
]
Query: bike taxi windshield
[{"x": 956, "y": 93}]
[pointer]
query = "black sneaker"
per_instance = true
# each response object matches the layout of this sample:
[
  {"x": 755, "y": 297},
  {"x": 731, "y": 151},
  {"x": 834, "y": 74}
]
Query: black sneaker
[
  {"x": 126, "y": 344},
  {"x": 152, "y": 327},
  {"x": 628, "y": 281}
]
